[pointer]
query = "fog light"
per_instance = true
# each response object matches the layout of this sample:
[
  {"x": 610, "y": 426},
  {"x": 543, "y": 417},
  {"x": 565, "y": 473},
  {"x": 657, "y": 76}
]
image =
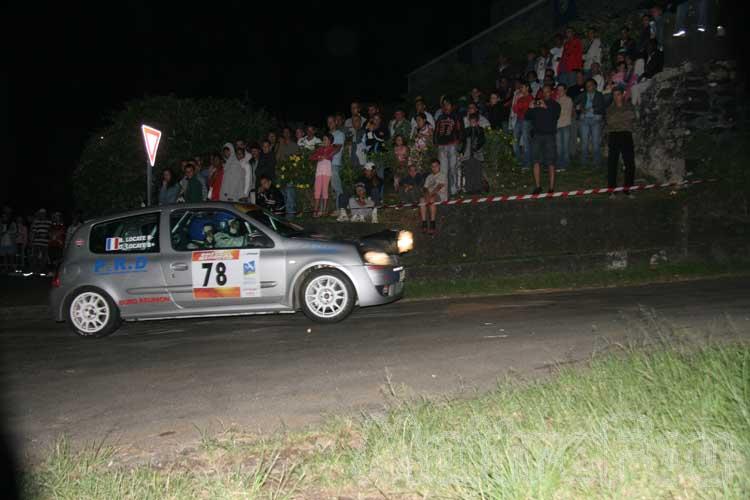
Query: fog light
[{"x": 405, "y": 241}]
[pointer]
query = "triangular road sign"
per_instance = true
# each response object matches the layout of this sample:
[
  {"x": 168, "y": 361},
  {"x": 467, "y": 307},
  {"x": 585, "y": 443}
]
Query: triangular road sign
[{"x": 151, "y": 137}]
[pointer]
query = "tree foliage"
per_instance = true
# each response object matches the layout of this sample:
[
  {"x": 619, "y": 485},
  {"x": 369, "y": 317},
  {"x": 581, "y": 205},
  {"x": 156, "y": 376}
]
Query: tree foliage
[{"x": 111, "y": 173}]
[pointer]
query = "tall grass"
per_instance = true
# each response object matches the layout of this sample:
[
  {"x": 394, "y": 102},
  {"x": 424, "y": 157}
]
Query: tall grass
[
  {"x": 667, "y": 418},
  {"x": 665, "y": 422}
]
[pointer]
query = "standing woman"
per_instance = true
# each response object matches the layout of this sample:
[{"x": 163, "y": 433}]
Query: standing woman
[
  {"x": 169, "y": 189},
  {"x": 323, "y": 155}
]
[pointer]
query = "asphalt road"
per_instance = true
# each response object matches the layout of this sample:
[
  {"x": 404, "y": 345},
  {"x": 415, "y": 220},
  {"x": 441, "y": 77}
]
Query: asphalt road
[{"x": 152, "y": 385}]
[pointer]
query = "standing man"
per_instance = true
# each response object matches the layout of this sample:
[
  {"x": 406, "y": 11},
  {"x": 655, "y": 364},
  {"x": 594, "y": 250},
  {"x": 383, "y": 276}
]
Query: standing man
[
  {"x": 193, "y": 187},
  {"x": 310, "y": 141},
  {"x": 590, "y": 106},
  {"x": 349, "y": 123},
  {"x": 592, "y": 50},
  {"x": 448, "y": 135},
  {"x": 339, "y": 138},
  {"x": 572, "y": 57},
  {"x": 543, "y": 114},
  {"x": 620, "y": 121}
]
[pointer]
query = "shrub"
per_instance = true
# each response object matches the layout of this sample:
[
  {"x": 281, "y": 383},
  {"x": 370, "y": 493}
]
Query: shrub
[{"x": 111, "y": 172}]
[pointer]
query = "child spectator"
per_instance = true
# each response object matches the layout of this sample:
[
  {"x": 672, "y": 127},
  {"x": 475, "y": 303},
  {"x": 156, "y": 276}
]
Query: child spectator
[
  {"x": 270, "y": 197},
  {"x": 435, "y": 191},
  {"x": 361, "y": 206},
  {"x": 323, "y": 155},
  {"x": 372, "y": 182},
  {"x": 410, "y": 186},
  {"x": 401, "y": 151}
]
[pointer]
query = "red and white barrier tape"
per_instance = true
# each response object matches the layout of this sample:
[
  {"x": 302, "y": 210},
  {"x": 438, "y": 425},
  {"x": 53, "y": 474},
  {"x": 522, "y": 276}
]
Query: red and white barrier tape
[{"x": 558, "y": 194}]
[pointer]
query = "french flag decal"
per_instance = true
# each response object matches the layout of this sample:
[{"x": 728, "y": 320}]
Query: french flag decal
[{"x": 113, "y": 244}]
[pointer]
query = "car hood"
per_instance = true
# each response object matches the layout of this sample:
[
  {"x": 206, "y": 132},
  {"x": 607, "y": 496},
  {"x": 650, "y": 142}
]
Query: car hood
[{"x": 382, "y": 241}]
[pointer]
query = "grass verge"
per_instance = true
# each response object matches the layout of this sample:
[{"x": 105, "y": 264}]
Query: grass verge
[
  {"x": 666, "y": 419},
  {"x": 419, "y": 289}
]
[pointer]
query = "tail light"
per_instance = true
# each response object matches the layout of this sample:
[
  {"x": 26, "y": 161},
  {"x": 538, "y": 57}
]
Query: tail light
[{"x": 56, "y": 279}]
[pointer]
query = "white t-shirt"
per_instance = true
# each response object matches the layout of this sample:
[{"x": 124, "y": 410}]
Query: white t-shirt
[
  {"x": 433, "y": 180},
  {"x": 556, "y": 56},
  {"x": 310, "y": 144}
]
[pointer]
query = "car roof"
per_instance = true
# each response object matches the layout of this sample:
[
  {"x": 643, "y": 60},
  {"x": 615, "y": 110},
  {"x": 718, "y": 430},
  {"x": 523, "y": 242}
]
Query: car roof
[{"x": 243, "y": 207}]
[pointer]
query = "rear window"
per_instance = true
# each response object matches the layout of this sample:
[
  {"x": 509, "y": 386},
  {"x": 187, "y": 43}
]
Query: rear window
[{"x": 136, "y": 234}]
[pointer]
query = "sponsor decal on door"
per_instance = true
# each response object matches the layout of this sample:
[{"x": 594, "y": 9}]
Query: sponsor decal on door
[{"x": 222, "y": 274}]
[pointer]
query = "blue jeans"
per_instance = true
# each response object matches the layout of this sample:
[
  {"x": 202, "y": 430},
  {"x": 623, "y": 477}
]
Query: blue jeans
[
  {"x": 290, "y": 200},
  {"x": 701, "y": 9},
  {"x": 591, "y": 135},
  {"x": 336, "y": 185},
  {"x": 563, "y": 146},
  {"x": 448, "y": 157},
  {"x": 522, "y": 139}
]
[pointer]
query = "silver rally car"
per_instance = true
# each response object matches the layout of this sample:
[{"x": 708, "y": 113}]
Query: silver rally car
[{"x": 217, "y": 259}]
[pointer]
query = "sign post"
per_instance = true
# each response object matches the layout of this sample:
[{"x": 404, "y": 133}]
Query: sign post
[{"x": 151, "y": 138}]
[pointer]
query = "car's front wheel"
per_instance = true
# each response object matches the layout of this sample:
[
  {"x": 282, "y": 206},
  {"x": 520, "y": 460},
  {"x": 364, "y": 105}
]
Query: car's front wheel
[
  {"x": 92, "y": 313},
  {"x": 327, "y": 296}
]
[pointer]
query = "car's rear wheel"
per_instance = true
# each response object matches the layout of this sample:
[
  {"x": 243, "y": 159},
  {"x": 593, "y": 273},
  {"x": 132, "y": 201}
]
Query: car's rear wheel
[
  {"x": 327, "y": 296},
  {"x": 92, "y": 313}
]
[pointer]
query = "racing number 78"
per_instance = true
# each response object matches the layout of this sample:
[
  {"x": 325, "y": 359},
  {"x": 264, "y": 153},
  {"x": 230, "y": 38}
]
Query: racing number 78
[{"x": 220, "y": 274}]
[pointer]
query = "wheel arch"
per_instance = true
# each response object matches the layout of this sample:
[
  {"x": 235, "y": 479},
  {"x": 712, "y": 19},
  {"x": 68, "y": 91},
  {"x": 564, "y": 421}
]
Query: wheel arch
[{"x": 299, "y": 278}]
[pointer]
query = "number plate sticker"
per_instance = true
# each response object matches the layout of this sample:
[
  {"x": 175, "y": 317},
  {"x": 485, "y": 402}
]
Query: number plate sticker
[{"x": 225, "y": 274}]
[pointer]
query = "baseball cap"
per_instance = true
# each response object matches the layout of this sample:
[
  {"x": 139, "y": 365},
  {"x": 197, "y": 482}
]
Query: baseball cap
[{"x": 369, "y": 165}]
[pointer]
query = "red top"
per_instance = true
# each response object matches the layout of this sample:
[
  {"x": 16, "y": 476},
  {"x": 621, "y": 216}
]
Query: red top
[
  {"x": 324, "y": 153},
  {"x": 215, "y": 183},
  {"x": 522, "y": 106},
  {"x": 572, "y": 56}
]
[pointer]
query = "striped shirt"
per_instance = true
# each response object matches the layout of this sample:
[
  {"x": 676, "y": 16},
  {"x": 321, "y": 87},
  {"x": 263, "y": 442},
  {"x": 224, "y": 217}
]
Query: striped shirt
[{"x": 40, "y": 232}]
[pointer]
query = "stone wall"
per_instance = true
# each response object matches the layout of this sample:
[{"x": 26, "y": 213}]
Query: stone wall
[
  {"x": 566, "y": 235},
  {"x": 681, "y": 102}
]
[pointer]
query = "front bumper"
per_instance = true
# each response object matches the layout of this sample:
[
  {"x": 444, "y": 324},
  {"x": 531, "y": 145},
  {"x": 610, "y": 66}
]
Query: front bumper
[{"x": 380, "y": 284}]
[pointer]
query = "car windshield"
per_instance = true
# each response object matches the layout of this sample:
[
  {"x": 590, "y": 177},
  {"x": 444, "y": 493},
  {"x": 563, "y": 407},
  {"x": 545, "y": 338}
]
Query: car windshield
[{"x": 281, "y": 226}]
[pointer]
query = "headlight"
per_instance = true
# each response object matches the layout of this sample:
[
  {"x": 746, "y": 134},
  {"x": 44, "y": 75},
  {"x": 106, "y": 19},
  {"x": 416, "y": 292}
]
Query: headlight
[
  {"x": 377, "y": 258},
  {"x": 405, "y": 241}
]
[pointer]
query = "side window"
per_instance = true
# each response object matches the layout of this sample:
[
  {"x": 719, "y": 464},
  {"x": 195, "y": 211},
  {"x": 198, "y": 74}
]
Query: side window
[
  {"x": 136, "y": 234},
  {"x": 204, "y": 229}
]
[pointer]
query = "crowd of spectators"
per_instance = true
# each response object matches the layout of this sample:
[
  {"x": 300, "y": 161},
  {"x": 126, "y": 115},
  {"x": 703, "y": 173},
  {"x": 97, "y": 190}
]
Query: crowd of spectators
[
  {"x": 556, "y": 103},
  {"x": 34, "y": 244}
]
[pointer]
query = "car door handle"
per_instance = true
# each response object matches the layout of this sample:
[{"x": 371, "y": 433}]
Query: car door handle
[{"x": 178, "y": 266}]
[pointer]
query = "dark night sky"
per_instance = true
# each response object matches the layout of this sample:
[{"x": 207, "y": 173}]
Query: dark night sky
[{"x": 72, "y": 65}]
